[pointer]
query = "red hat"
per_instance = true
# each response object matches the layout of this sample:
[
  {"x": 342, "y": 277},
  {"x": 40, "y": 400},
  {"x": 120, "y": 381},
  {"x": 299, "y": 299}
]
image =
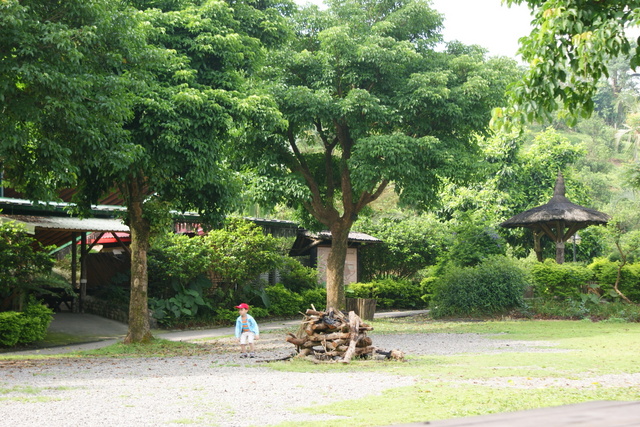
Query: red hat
[{"x": 243, "y": 305}]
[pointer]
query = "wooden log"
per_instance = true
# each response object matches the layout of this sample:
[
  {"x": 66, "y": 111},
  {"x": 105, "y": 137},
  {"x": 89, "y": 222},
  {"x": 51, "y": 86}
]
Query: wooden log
[
  {"x": 295, "y": 340},
  {"x": 354, "y": 323},
  {"x": 330, "y": 336},
  {"x": 311, "y": 312},
  {"x": 318, "y": 327},
  {"x": 309, "y": 328},
  {"x": 333, "y": 345},
  {"x": 364, "y": 342},
  {"x": 365, "y": 350},
  {"x": 305, "y": 352}
]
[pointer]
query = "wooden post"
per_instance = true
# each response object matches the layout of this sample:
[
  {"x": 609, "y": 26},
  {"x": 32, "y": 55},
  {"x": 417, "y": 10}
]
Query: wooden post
[
  {"x": 83, "y": 270},
  {"x": 560, "y": 252},
  {"x": 74, "y": 268}
]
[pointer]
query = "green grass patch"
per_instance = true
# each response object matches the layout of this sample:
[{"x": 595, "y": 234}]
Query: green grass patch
[
  {"x": 157, "y": 347},
  {"x": 20, "y": 389},
  {"x": 561, "y": 368},
  {"x": 438, "y": 400}
]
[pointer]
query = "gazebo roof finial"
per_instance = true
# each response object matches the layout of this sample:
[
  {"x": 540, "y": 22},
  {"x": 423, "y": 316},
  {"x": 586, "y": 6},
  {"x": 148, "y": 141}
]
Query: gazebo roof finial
[{"x": 559, "y": 190}]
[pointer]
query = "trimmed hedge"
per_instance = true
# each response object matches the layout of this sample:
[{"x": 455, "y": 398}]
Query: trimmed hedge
[
  {"x": 282, "y": 301},
  {"x": 560, "y": 280},
  {"x": 606, "y": 272},
  {"x": 24, "y": 327}
]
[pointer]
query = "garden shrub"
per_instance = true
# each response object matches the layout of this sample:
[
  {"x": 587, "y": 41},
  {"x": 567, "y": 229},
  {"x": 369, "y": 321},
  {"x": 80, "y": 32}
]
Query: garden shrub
[
  {"x": 24, "y": 327},
  {"x": 587, "y": 306},
  {"x": 474, "y": 243},
  {"x": 282, "y": 301},
  {"x": 11, "y": 323},
  {"x": 228, "y": 315},
  {"x": 316, "y": 297},
  {"x": 297, "y": 277},
  {"x": 389, "y": 293},
  {"x": 567, "y": 280},
  {"x": 494, "y": 286},
  {"x": 38, "y": 318},
  {"x": 606, "y": 272},
  {"x": 183, "y": 305},
  {"x": 23, "y": 259}
]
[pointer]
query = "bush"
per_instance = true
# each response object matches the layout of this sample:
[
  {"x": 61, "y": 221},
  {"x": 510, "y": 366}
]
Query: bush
[
  {"x": 474, "y": 243},
  {"x": 389, "y": 293},
  {"x": 25, "y": 327},
  {"x": 559, "y": 280},
  {"x": 282, "y": 301},
  {"x": 11, "y": 324},
  {"x": 408, "y": 245},
  {"x": 494, "y": 286},
  {"x": 296, "y": 277},
  {"x": 23, "y": 259},
  {"x": 606, "y": 272},
  {"x": 316, "y": 297},
  {"x": 183, "y": 305},
  {"x": 38, "y": 319},
  {"x": 227, "y": 315}
]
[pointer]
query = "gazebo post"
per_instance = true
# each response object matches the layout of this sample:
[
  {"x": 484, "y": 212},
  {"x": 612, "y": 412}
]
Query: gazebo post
[
  {"x": 560, "y": 252},
  {"x": 537, "y": 246}
]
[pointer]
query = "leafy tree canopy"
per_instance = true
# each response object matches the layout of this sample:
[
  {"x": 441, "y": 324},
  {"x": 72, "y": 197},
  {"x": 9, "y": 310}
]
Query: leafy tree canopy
[
  {"x": 568, "y": 51},
  {"x": 369, "y": 101}
]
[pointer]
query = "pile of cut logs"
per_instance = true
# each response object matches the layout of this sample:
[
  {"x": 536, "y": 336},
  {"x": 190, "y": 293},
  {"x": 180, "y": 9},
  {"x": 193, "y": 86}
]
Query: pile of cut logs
[{"x": 332, "y": 336}]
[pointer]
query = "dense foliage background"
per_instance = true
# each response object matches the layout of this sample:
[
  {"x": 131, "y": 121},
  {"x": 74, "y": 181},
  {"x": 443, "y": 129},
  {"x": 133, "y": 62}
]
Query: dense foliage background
[{"x": 356, "y": 118}]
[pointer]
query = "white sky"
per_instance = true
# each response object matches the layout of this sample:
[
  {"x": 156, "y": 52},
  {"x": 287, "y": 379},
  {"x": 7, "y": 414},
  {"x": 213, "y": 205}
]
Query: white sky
[
  {"x": 483, "y": 22},
  {"x": 486, "y": 23}
]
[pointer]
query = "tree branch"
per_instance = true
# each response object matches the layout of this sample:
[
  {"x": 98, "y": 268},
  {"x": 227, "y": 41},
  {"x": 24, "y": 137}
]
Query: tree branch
[
  {"x": 316, "y": 207},
  {"x": 619, "y": 276}
]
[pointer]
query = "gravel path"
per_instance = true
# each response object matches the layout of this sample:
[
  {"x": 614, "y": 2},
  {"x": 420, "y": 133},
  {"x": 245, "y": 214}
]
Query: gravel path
[{"x": 215, "y": 389}]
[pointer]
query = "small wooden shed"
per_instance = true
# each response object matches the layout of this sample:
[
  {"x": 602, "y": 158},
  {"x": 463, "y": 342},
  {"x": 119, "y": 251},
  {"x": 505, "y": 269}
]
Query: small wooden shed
[{"x": 316, "y": 247}]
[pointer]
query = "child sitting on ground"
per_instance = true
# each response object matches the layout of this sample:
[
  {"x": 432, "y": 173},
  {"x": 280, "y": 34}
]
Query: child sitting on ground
[{"x": 246, "y": 330}]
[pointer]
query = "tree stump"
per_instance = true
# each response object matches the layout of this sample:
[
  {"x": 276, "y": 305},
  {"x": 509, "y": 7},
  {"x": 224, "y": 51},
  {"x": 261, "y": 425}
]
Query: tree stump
[{"x": 363, "y": 307}]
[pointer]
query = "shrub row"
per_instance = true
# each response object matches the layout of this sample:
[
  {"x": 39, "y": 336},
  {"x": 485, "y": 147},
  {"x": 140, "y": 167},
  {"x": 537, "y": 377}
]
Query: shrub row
[
  {"x": 30, "y": 325},
  {"x": 569, "y": 280}
]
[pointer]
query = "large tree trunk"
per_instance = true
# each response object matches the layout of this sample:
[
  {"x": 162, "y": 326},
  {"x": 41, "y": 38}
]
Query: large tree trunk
[
  {"x": 335, "y": 265},
  {"x": 139, "y": 328}
]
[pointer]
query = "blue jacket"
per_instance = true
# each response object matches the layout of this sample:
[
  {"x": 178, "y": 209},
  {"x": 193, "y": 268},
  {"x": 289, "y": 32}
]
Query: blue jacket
[{"x": 253, "y": 326}]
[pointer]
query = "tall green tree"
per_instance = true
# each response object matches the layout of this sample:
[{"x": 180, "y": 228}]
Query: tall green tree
[
  {"x": 178, "y": 72},
  {"x": 369, "y": 102},
  {"x": 65, "y": 91},
  {"x": 568, "y": 52}
]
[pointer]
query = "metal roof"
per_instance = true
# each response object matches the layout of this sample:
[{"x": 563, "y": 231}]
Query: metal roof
[
  {"x": 56, "y": 230},
  {"x": 68, "y": 224},
  {"x": 56, "y": 206},
  {"x": 354, "y": 236},
  {"x": 306, "y": 240}
]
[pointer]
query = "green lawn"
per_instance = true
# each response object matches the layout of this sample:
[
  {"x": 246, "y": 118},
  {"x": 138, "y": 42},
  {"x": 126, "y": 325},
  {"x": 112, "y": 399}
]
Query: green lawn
[{"x": 588, "y": 361}]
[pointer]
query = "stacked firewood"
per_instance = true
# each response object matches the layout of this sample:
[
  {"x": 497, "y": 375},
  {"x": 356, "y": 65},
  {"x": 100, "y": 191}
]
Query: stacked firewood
[{"x": 333, "y": 336}]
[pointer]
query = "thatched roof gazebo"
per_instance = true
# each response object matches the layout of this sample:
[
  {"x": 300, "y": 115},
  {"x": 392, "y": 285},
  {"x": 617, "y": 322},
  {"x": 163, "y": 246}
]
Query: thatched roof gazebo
[{"x": 559, "y": 219}]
